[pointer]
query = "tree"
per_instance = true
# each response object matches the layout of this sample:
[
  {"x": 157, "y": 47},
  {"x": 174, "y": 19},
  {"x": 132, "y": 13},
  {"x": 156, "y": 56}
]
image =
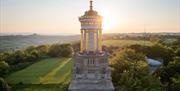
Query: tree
[
  {"x": 130, "y": 73},
  {"x": 177, "y": 52},
  {"x": 30, "y": 48},
  {"x": 156, "y": 51},
  {"x": 170, "y": 75},
  {"x": 3, "y": 68},
  {"x": 33, "y": 55},
  {"x": 42, "y": 50},
  {"x": 76, "y": 46},
  {"x": 3, "y": 85},
  {"x": 138, "y": 81},
  {"x": 67, "y": 50},
  {"x": 5, "y": 56},
  {"x": 15, "y": 57},
  {"x": 63, "y": 50},
  {"x": 124, "y": 61},
  {"x": 55, "y": 50}
]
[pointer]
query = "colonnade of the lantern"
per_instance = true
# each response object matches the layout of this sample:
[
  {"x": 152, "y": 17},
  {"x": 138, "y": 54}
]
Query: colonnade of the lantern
[{"x": 91, "y": 40}]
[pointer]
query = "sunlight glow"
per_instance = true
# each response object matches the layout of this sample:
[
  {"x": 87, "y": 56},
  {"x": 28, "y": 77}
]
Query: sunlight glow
[{"x": 109, "y": 21}]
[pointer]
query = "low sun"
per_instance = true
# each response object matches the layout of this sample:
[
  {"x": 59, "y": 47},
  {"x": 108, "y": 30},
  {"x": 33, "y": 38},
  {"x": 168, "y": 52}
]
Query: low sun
[{"x": 109, "y": 21}]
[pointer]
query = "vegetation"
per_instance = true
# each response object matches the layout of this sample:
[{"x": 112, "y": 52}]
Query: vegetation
[
  {"x": 44, "y": 71},
  {"x": 48, "y": 67},
  {"x": 130, "y": 73},
  {"x": 156, "y": 51},
  {"x": 52, "y": 74},
  {"x": 51, "y": 70},
  {"x": 3, "y": 85},
  {"x": 22, "y": 58},
  {"x": 40, "y": 87},
  {"x": 63, "y": 50},
  {"x": 123, "y": 43},
  {"x": 3, "y": 70}
]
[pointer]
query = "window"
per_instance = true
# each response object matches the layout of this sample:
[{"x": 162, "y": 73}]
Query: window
[{"x": 91, "y": 61}]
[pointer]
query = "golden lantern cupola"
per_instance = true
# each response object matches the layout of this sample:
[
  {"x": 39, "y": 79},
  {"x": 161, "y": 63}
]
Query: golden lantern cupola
[{"x": 91, "y": 31}]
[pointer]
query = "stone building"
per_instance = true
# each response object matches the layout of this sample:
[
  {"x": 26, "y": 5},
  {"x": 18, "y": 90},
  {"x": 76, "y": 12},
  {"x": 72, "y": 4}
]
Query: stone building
[{"x": 91, "y": 71}]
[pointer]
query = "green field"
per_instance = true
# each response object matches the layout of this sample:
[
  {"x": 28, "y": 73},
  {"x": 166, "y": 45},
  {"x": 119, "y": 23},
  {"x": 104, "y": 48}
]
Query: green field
[
  {"x": 48, "y": 71},
  {"x": 122, "y": 43}
]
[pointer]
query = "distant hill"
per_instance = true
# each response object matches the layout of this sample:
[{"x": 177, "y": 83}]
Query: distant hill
[{"x": 14, "y": 42}]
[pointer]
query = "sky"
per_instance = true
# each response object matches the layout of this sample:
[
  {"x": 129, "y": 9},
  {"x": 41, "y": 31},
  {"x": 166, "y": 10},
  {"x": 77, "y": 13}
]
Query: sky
[{"x": 61, "y": 16}]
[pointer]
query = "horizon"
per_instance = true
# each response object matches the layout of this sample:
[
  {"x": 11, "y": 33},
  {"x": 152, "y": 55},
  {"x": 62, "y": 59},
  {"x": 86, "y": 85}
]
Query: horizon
[
  {"x": 76, "y": 34},
  {"x": 121, "y": 16}
]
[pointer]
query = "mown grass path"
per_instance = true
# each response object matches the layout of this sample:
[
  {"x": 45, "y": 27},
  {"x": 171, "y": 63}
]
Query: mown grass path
[
  {"x": 51, "y": 70},
  {"x": 59, "y": 70}
]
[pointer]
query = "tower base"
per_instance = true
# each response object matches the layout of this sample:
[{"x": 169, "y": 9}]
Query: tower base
[
  {"x": 91, "y": 85},
  {"x": 91, "y": 73}
]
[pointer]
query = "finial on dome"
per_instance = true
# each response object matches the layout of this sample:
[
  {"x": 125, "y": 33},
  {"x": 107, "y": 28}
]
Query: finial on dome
[{"x": 91, "y": 6}]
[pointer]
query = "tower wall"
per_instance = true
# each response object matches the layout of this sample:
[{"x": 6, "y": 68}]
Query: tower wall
[{"x": 91, "y": 73}]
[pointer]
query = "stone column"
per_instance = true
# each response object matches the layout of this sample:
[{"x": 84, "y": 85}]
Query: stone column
[
  {"x": 97, "y": 40},
  {"x": 86, "y": 33},
  {"x": 84, "y": 41},
  {"x": 82, "y": 37},
  {"x": 100, "y": 40},
  {"x": 89, "y": 41}
]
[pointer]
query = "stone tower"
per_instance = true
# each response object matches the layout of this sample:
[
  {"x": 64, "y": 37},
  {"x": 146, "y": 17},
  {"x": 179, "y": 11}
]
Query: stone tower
[{"x": 91, "y": 71}]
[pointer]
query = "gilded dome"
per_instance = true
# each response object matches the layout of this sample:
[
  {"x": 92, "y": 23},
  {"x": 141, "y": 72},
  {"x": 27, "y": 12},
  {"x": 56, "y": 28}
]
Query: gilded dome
[{"x": 91, "y": 13}]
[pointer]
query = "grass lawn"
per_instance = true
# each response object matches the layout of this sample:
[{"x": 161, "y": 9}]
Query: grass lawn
[
  {"x": 122, "y": 43},
  {"x": 47, "y": 71}
]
